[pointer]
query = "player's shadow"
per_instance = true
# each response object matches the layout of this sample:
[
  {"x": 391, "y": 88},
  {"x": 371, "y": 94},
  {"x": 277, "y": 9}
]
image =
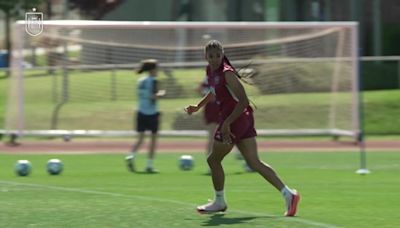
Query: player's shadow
[
  {"x": 146, "y": 173},
  {"x": 219, "y": 219}
]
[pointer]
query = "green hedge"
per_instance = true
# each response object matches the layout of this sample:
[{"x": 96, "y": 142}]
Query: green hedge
[{"x": 379, "y": 75}]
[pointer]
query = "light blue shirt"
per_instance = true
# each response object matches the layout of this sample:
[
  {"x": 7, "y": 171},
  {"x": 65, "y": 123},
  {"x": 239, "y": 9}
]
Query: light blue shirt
[{"x": 146, "y": 89}]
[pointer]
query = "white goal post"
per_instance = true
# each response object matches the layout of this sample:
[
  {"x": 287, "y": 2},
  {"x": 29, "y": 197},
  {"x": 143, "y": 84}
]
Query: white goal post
[{"x": 77, "y": 78}]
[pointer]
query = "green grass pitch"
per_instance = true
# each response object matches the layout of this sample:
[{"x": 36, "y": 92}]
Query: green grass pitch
[{"x": 98, "y": 191}]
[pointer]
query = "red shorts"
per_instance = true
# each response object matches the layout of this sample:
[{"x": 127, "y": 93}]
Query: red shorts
[
  {"x": 211, "y": 113},
  {"x": 241, "y": 128}
]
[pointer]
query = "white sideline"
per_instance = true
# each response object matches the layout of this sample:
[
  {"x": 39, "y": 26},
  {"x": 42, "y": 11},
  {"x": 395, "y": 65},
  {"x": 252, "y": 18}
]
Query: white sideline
[{"x": 79, "y": 190}]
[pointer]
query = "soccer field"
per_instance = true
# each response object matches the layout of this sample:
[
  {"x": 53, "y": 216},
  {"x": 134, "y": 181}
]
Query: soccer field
[{"x": 98, "y": 191}]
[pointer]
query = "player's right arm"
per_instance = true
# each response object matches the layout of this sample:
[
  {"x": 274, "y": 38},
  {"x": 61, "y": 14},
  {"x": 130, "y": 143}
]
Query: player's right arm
[{"x": 194, "y": 108}]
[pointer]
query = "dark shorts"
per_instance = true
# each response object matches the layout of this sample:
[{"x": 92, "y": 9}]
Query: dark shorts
[
  {"x": 211, "y": 113},
  {"x": 241, "y": 128},
  {"x": 147, "y": 122}
]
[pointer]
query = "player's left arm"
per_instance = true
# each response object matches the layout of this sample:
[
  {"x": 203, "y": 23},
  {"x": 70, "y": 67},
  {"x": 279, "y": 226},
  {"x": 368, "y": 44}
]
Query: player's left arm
[
  {"x": 237, "y": 89},
  {"x": 156, "y": 92}
]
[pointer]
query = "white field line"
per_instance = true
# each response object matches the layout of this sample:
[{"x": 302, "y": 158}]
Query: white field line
[{"x": 94, "y": 192}]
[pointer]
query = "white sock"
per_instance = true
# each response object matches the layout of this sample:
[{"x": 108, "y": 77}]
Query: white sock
[
  {"x": 219, "y": 197},
  {"x": 149, "y": 163},
  {"x": 133, "y": 151},
  {"x": 287, "y": 192},
  {"x": 133, "y": 154}
]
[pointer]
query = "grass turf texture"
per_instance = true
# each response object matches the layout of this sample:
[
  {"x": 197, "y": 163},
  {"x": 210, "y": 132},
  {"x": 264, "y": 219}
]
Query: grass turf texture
[{"x": 98, "y": 191}]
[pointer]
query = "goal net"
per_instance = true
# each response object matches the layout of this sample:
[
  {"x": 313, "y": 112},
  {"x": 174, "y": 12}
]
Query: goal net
[{"x": 78, "y": 77}]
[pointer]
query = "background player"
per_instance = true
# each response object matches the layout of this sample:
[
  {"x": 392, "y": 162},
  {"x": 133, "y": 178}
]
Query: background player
[
  {"x": 211, "y": 114},
  {"x": 148, "y": 115}
]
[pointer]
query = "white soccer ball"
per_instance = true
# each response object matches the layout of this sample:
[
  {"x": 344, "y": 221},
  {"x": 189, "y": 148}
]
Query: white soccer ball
[
  {"x": 23, "y": 168},
  {"x": 186, "y": 162},
  {"x": 54, "y": 166}
]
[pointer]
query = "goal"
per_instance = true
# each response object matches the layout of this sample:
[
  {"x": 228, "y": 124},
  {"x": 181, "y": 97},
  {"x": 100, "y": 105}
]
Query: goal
[{"x": 78, "y": 78}]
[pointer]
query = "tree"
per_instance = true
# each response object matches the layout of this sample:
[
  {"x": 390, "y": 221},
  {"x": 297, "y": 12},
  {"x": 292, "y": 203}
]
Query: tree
[
  {"x": 94, "y": 9},
  {"x": 12, "y": 9}
]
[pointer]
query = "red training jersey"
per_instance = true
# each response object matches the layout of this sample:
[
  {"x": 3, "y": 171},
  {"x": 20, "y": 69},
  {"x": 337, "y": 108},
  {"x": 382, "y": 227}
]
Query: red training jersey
[
  {"x": 211, "y": 110},
  {"x": 224, "y": 97}
]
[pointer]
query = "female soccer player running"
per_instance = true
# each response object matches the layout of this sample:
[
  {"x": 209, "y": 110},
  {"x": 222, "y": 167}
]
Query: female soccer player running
[
  {"x": 236, "y": 127},
  {"x": 211, "y": 119},
  {"x": 148, "y": 114}
]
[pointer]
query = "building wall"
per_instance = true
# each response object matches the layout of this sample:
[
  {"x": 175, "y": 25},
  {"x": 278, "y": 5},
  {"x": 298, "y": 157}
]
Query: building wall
[
  {"x": 390, "y": 27},
  {"x": 138, "y": 10},
  {"x": 209, "y": 10},
  {"x": 195, "y": 10},
  {"x": 289, "y": 10},
  {"x": 2, "y": 30}
]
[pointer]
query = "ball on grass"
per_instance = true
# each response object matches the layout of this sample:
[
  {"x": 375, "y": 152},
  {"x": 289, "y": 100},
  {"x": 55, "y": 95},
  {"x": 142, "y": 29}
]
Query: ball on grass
[
  {"x": 186, "y": 162},
  {"x": 54, "y": 166},
  {"x": 23, "y": 167}
]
